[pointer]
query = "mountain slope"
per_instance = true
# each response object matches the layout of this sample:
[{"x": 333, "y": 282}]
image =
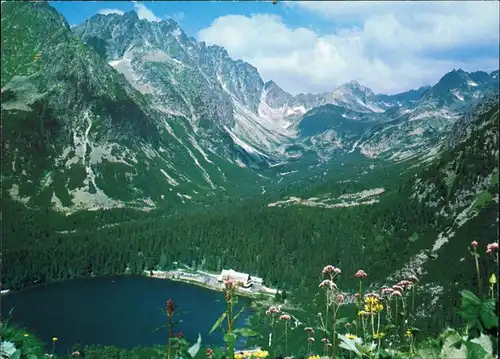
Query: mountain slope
[
  {"x": 77, "y": 135},
  {"x": 219, "y": 96},
  {"x": 226, "y": 98}
]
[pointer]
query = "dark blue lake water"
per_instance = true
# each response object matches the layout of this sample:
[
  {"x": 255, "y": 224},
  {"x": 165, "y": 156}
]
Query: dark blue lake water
[{"x": 123, "y": 311}]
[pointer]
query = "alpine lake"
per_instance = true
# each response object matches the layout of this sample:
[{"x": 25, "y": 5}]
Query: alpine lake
[{"x": 124, "y": 311}]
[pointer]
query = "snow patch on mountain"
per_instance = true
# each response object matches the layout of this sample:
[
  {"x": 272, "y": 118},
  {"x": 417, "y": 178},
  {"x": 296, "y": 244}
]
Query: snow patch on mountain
[
  {"x": 243, "y": 144},
  {"x": 356, "y": 199},
  {"x": 457, "y": 94},
  {"x": 170, "y": 180}
]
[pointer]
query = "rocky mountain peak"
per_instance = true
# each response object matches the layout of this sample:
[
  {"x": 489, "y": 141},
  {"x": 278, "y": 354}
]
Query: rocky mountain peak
[{"x": 356, "y": 88}]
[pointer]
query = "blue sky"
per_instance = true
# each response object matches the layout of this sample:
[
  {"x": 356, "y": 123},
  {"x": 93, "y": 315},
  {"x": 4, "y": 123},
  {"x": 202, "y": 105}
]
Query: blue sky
[
  {"x": 313, "y": 46},
  {"x": 192, "y": 16}
]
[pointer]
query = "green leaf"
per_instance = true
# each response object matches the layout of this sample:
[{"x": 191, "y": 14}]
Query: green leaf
[
  {"x": 16, "y": 355},
  {"x": 487, "y": 314},
  {"x": 453, "y": 347},
  {"x": 230, "y": 338},
  {"x": 476, "y": 351},
  {"x": 384, "y": 354},
  {"x": 469, "y": 297},
  {"x": 470, "y": 308},
  {"x": 350, "y": 344},
  {"x": 389, "y": 327},
  {"x": 241, "y": 311},
  {"x": 217, "y": 323},
  {"x": 429, "y": 353},
  {"x": 246, "y": 332},
  {"x": 485, "y": 342},
  {"x": 341, "y": 321}
]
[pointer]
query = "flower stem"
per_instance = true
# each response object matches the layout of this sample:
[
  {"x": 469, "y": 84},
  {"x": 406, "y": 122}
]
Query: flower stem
[
  {"x": 358, "y": 308},
  {"x": 170, "y": 335},
  {"x": 413, "y": 303},
  {"x": 334, "y": 330},
  {"x": 286, "y": 338},
  {"x": 373, "y": 324},
  {"x": 477, "y": 271},
  {"x": 396, "y": 315}
]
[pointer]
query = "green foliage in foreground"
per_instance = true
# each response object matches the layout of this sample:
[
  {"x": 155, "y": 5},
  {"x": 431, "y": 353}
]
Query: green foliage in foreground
[{"x": 383, "y": 331}]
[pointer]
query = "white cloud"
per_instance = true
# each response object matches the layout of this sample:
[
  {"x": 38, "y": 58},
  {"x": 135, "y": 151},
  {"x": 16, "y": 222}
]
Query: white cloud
[
  {"x": 111, "y": 11},
  {"x": 393, "y": 46},
  {"x": 144, "y": 13}
]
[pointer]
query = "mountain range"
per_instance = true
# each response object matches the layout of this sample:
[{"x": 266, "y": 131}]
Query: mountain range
[{"x": 121, "y": 111}]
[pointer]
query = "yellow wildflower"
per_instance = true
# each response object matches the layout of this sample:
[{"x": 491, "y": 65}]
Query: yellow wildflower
[
  {"x": 54, "y": 339},
  {"x": 261, "y": 354},
  {"x": 378, "y": 335},
  {"x": 493, "y": 279},
  {"x": 371, "y": 300},
  {"x": 26, "y": 335},
  {"x": 408, "y": 333},
  {"x": 350, "y": 336},
  {"x": 362, "y": 312},
  {"x": 373, "y": 307},
  {"x": 313, "y": 357},
  {"x": 238, "y": 356},
  {"x": 247, "y": 354}
]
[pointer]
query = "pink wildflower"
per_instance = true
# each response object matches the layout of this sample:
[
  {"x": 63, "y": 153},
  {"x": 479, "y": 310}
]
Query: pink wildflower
[
  {"x": 337, "y": 270},
  {"x": 325, "y": 340},
  {"x": 360, "y": 274},
  {"x": 372, "y": 295},
  {"x": 404, "y": 283},
  {"x": 272, "y": 310},
  {"x": 327, "y": 284},
  {"x": 413, "y": 278},
  {"x": 329, "y": 345},
  {"x": 398, "y": 288},
  {"x": 474, "y": 244},
  {"x": 387, "y": 290},
  {"x": 309, "y": 330},
  {"x": 357, "y": 295},
  {"x": 310, "y": 340},
  {"x": 340, "y": 298},
  {"x": 397, "y": 293},
  {"x": 328, "y": 269},
  {"x": 285, "y": 317},
  {"x": 491, "y": 247}
]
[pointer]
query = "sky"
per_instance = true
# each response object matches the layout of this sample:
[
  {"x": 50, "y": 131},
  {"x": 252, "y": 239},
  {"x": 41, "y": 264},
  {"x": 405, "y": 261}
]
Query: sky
[{"x": 315, "y": 46}]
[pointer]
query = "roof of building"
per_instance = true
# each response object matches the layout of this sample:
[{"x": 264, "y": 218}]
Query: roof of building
[{"x": 234, "y": 273}]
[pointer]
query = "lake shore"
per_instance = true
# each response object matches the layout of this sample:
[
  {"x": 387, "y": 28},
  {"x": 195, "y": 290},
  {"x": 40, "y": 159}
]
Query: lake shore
[
  {"x": 262, "y": 294},
  {"x": 210, "y": 281}
]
